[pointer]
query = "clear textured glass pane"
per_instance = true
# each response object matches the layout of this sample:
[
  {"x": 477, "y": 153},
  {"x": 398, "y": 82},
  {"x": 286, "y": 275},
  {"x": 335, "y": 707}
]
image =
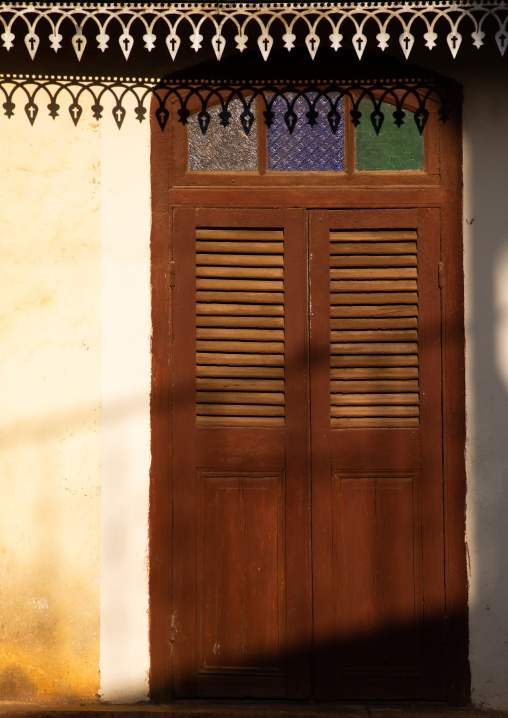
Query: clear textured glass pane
[
  {"x": 395, "y": 148},
  {"x": 223, "y": 148},
  {"x": 308, "y": 148}
]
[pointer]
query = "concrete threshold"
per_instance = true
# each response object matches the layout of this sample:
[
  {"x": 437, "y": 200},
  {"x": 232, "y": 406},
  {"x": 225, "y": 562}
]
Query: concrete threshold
[{"x": 246, "y": 709}]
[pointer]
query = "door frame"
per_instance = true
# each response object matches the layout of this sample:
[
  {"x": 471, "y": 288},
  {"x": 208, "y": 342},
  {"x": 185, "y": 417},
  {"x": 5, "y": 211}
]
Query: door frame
[{"x": 447, "y": 196}]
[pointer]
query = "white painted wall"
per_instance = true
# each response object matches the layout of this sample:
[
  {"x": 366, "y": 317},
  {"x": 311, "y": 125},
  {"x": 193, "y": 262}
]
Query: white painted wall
[
  {"x": 50, "y": 407},
  {"x": 74, "y": 424},
  {"x": 126, "y": 376},
  {"x": 486, "y": 294}
]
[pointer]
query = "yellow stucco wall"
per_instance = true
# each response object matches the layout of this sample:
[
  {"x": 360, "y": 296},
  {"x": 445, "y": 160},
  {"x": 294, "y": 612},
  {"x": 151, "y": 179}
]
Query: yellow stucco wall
[{"x": 50, "y": 419}]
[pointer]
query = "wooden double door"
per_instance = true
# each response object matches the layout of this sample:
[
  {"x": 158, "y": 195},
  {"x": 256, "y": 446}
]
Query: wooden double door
[{"x": 307, "y": 454}]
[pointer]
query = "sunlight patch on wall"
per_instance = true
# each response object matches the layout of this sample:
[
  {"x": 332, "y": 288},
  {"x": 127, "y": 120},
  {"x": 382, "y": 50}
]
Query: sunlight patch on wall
[
  {"x": 126, "y": 383},
  {"x": 50, "y": 450}
]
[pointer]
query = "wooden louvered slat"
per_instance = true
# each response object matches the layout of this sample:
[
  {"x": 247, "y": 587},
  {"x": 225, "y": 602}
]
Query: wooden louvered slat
[
  {"x": 242, "y": 260},
  {"x": 372, "y": 260},
  {"x": 376, "y": 360},
  {"x": 375, "y": 335},
  {"x": 240, "y": 327},
  {"x": 253, "y": 372},
  {"x": 352, "y": 248},
  {"x": 372, "y": 410},
  {"x": 374, "y": 372},
  {"x": 221, "y": 310},
  {"x": 374, "y": 329},
  {"x": 362, "y": 323},
  {"x": 374, "y": 386},
  {"x": 374, "y": 399},
  {"x": 376, "y": 422},
  {"x": 383, "y": 285},
  {"x": 376, "y": 348},
  {"x": 383, "y": 310},
  {"x": 243, "y": 297},
  {"x": 242, "y": 272},
  {"x": 232, "y": 248},
  {"x": 373, "y": 235},
  {"x": 274, "y": 422},
  {"x": 235, "y": 347},
  {"x": 376, "y": 298},
  {"x": 240, "y": 334},
  {"x": 239, "y": 410},
  {"x": 231, "y": 384},
  {"x": 219, "y": 359},
  {"x": 255, "y": 285},
  {"x": 241, "y": 397},
  {"x": 232, "y": 321},
  {"x": 356, "y": 273},
  {"x": 251, "y": 235}
]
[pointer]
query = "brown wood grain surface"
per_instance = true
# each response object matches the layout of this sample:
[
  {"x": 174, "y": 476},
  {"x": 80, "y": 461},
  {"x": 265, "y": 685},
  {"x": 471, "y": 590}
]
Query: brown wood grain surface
[
  {"x": 375, "y": 322},
  {"x": 383, "y": 272},
  {"x": 249, "y": 597},
  {"x": 378, "y": 335},
  {"x": 375, "y": 565}
]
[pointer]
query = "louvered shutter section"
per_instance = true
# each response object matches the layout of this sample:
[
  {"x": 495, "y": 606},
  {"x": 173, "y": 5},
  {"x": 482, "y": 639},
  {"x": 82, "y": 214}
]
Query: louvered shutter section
[
  {"x": 374, "y": 329},
  {"x": 240, "y": 327}
]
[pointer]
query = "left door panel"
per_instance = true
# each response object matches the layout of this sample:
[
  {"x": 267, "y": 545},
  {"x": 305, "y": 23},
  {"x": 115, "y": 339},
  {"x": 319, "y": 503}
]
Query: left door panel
[{"x": 241, "y": 496}]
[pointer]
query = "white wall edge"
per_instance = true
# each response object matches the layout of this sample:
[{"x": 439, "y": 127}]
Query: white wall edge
[{"x": 126, "y": 382}]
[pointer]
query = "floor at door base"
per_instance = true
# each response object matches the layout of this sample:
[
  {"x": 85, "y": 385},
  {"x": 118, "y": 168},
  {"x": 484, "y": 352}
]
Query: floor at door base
[{"x": 249, "y": 709}]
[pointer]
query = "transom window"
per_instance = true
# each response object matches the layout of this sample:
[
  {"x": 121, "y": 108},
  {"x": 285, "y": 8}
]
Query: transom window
[{"x": 321, "y": 141}]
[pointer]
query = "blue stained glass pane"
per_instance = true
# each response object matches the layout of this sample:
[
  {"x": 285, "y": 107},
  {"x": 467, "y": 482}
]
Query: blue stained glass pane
[{"x": 308, "y": 148}]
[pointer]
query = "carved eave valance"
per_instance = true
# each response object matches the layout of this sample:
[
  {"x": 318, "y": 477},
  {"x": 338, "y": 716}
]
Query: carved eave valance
[
  {"x": 375, "y": 94},
  {"x": 247, "y": 25}
]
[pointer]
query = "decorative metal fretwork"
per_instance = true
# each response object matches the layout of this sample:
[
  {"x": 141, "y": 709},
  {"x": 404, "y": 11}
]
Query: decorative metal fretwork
[
  {"x": 247, "y": 24},
  {"x": 323, "y": 100}
]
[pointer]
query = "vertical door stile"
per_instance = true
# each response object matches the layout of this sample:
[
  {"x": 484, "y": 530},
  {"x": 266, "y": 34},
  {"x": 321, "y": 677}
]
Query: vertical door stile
[
  {"x": 431, "y": 448},
  {"x": 322, "y": 538},
  {"x": 298, "y": 498},
  {"x": 184, "y": 451}
]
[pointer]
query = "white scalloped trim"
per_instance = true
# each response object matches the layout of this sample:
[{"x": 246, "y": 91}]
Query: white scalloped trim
[{"x": 181, "y": 24}]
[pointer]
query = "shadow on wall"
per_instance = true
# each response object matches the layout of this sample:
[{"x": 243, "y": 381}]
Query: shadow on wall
[{"x": 486, "y": 268}]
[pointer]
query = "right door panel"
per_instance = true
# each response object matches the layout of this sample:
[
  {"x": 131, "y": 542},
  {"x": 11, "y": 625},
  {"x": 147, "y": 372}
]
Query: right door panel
[{"x": 375, "y": 368}]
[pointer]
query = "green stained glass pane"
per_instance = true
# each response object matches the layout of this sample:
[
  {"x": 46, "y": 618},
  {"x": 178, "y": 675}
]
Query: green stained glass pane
[{"x": 395, "y": 148}]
